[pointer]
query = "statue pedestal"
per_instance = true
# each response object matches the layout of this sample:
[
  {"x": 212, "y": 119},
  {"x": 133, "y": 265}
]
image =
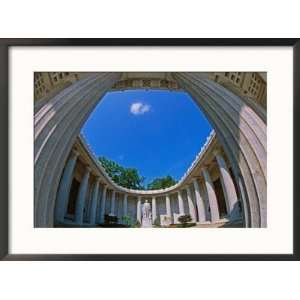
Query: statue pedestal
[{"x": 146, "y": 222}]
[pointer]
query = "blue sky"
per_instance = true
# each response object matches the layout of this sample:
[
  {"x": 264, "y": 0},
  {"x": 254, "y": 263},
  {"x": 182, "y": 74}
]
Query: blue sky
[{"x": 157, "y": 132}]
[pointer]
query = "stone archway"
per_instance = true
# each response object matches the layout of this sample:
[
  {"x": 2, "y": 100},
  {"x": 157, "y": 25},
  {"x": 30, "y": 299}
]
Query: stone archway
[{"x": 241, "y": 131}]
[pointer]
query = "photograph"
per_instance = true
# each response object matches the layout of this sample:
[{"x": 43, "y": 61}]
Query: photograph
[{"x": 150, "y": 149}]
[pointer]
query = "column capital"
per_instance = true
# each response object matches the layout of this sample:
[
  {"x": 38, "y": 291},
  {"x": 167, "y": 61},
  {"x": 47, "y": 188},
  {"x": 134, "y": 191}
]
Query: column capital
[
  {"x": 75, "y": 153},
  {"x": 88, "y": 169},
  {"x": 97, "y": 180},
  {"x": 195, "y": 179},
  {"x": 217, "y": 152},
  {"x": 204, "y": 168}
]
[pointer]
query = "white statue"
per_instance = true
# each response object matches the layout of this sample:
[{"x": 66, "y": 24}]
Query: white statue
[
  {"x": 146, "y": 215},
  {"x": 146, "y": 210}
]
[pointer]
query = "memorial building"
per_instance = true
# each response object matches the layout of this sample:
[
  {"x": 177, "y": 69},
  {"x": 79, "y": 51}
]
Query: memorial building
[{"x": 225, "y": 185}]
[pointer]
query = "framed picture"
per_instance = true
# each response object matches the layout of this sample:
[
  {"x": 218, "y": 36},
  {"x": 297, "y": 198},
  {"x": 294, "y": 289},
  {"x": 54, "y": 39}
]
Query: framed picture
[{"x": 149, "y": 149}]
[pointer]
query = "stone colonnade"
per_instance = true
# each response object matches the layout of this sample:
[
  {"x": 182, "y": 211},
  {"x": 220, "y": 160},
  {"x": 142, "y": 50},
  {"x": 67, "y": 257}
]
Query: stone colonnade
[{"x": 196, "y": 206}]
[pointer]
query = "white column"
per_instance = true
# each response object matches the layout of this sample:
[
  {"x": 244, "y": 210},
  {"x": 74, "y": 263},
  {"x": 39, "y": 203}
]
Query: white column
[
  {"x": 153, "y": 210},
  {"x": 113, "y": 203},
  {"x": 212, "y": 198},
  {"x": 138, "y": 210},
  {"x": 102, "y": 207},
  {"x": 94, "y": 202},
  {"x": 125, "y": 205},
  {"x": 191, "y": 204},
  {"x": 64, "y": 188},
  {"x": 228, "y": 188},
  {"x": 168, "y": 207},
  {"x": 180, "y": 204},
  {"x": 98, "y": 206},
  {"x": 199, "y": 202},
  {"x": 81, "y": 197}
]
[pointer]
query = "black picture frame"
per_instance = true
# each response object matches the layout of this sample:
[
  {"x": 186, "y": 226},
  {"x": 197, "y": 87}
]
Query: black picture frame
[{"x": 5, "y": 151}]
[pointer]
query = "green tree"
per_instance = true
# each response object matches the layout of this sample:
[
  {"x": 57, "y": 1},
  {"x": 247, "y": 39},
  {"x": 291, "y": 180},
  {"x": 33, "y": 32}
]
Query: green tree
[
  {"x": 126, "y": 220},
  {"x": 161, "y": 183},
  {"x": 126, "y": 177}
]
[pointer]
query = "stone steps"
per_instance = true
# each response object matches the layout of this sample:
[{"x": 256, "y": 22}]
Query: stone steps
[{"x": 223, "y": 224}]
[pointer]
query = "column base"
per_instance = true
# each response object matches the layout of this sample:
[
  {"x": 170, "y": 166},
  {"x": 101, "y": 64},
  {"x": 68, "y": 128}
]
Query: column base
[{"x": 203, "y": 223}]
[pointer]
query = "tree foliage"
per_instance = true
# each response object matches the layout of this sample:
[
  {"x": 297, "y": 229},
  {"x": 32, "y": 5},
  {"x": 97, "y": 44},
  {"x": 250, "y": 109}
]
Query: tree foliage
[
  {"x": 126, "y": 177},
  {"x": 161, "y": 183},
  {"x": 130, "y": 177}
]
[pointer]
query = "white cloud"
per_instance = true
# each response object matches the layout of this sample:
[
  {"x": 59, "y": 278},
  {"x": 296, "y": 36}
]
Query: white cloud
[{"x": 139, "y": 108}]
